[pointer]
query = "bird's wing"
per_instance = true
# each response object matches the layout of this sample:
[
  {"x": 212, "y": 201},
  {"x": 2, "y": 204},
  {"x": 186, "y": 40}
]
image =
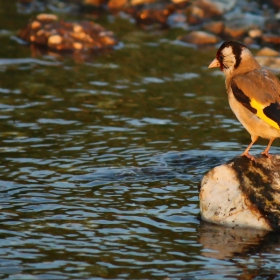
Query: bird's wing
[{"x": 259, "y": 92}]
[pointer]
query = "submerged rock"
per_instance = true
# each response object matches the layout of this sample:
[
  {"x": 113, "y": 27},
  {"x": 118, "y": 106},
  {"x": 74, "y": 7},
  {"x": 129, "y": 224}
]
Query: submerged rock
[
  {"x": 47, "y": 31},
  {"x": 243, "y": 193}
]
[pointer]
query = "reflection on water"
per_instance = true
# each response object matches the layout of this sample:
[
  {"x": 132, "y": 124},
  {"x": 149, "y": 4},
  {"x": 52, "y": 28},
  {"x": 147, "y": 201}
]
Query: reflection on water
[{"x": 101, "y": 162}]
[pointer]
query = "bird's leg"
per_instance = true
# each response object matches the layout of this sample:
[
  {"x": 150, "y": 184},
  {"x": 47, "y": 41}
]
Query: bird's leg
[
  {"x": 246, "y": 152},
  {"x": 265, "y": 152}
]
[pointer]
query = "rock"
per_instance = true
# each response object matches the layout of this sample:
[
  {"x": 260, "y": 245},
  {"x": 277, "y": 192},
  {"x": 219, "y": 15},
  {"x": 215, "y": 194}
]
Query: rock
[
  {"x": 214, "y": 8},
  {"x": 177, "y": 20},
  {"x": 201, "y": 10},
  {"x": 47, "y": 17},
  {"x": 255, "y": 33},
  {"x": 215, "y": 27},
  {"x": 234, "y": 31},
  {"x": 243, "y": 193},
  {"x": 248, "y": 41},
  {"x": 271, "y": 38},
  {"x": 180, "y": 1},
  {"x": 267, "y": 52},
  {"x": 199, "y": 38},
  {"x": 195, "y": 15},
  {"x": 276, "y": 4},
  {"x": 140, "y": 2},
  {"x": 237, "y": 25},
  {"x": 153, "y": 13},
  {"x": 270, "y": 62},
  {"x": 116, "y": 4},
  {"x": 95, "y": 3},
  {"x": 47, "y": 31}
]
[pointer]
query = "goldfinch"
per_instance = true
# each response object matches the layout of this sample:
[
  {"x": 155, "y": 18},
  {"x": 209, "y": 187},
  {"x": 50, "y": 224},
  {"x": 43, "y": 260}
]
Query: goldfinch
[{"x": 253, "y": 93}]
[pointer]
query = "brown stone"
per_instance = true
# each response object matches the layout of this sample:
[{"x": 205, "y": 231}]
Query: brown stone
[
  {"x": 215, "y": 27},
  {"x": 248, "y": 41},
  {"x": 35, "y": 24},
  {"x": 93, "y": 2},
  {"x": 234, "y": 32},
  {"x": 269, "y": 38},
  {"x": 255, "y": 33},
  {"x": 55, "y": 40},
  {"x": 267, "y": 52},
  {"x": 47, "y": 17},
  {"x": 199, "y": 38},
  {"x": 276, "y": 3},
  {"x": 116, "y": 4},
  {"x": 214, "y": 8}
]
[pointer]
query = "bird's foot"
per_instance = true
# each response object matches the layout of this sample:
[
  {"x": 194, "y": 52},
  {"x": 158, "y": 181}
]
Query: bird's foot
[
  {"x": 248, "y": 156},
  {"x": 265, "y": 153}
]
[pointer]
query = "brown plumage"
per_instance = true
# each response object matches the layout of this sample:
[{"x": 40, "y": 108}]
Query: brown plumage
[{"x": 253, "y": 93}]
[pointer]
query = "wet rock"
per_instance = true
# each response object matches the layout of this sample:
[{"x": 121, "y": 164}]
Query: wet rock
[
  {"x": 271, "y": 38},
  {"x": 28, "y": 6},
  {"x": 255, "y": 33},
  {"x": 116, "y": 4},
  {"x": 248, "y": 41},
  {"x": 272, "y": 63},
  {"x": 236, "y": 26},
  {"x": 276, "y": 3},
  {"x": 215, "y": 27},
  {"x": 213, "y": 8},
  {"x": 150, "y": 14},
  {"x": 177, "y": 20},
  {"x": 199, "y": 38},
  {"x": 243, "y": 193},
  {"x": 141, "y": 2},
  {"x": 48, "y": 32},
  {"x": 195, "y": 15},
  {"x": 271, "y": 25},
  {"x": 94, "y": 2},
  {"x": 267, "y": 52}
]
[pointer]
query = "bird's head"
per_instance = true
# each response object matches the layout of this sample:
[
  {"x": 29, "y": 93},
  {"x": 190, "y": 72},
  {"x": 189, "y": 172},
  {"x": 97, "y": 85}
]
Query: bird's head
[{"x": 234, "y": 58}]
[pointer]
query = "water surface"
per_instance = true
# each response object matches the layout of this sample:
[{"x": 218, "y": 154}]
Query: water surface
[{"x": 101, "y": 158}]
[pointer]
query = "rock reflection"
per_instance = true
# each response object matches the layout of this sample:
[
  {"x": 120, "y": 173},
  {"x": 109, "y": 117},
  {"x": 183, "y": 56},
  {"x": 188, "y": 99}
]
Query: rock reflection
[
  {"x": 225, "y": 242},
  {"x": 248, "y": 250}
]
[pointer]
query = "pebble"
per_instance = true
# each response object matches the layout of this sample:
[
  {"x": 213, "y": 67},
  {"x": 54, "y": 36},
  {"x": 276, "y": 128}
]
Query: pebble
[
  {"x": 267, "y": 52},
  {"x": 255, "y": 33},
  {"x": 271, "y": 38},
  {"x": 215, "y": 27},
  {"x": 199, "y": 38}
]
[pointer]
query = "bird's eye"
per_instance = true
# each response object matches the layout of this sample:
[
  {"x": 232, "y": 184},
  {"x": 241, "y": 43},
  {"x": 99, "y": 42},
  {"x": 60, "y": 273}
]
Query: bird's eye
[{"x": 221, "y": 57}]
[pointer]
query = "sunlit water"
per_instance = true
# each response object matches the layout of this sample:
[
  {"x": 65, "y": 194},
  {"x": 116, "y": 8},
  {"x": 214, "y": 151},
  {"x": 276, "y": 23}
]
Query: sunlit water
[{"x": 101, "y": 160}]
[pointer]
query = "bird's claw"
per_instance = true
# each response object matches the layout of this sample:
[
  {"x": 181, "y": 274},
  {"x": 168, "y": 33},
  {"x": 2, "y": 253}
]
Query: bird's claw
[
  {"x": 266, "y": 154},
  {"x": 249, "y": 156}
]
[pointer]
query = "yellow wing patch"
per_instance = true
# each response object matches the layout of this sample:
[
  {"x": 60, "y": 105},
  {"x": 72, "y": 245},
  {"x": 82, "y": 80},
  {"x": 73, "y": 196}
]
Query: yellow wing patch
[{"x": 259, "y": 107}]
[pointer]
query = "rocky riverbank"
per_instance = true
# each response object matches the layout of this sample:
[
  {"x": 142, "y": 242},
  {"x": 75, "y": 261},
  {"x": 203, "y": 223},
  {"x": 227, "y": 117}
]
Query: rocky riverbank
[{"x": 203, "y": 22}]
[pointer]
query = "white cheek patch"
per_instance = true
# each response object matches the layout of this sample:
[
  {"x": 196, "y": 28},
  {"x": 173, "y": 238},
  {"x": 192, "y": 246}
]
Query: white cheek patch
[
  {"x": 227, "y": 51},
  {"x": 229, "y": 59}
]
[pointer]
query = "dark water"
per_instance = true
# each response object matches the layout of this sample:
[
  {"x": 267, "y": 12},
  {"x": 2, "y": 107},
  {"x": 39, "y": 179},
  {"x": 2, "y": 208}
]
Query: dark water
[{"x": 101, "y": 158}]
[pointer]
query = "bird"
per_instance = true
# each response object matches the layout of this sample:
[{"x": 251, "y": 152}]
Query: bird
[{"x": 253, "y": 93}]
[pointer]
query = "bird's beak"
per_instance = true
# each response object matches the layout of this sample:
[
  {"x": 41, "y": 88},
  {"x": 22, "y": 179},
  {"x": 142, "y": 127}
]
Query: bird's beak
[{"x": 214, "y": 63}]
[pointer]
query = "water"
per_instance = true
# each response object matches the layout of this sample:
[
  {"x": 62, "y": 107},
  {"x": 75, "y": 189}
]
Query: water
[{"x": 101, "y": 159}]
